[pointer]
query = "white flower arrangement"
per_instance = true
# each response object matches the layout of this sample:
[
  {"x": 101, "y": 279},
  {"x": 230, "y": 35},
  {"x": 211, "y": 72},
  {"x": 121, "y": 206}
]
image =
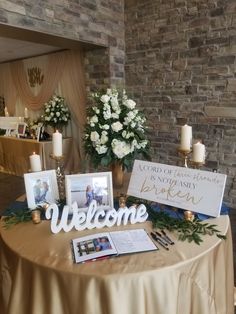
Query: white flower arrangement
[
  {"x": 56, "y": 112},
  {"x": 115, "y": 130}
]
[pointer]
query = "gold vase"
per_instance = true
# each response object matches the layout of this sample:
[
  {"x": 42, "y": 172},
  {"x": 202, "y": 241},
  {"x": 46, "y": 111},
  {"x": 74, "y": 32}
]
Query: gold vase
[{"x": 117, "y": 174}]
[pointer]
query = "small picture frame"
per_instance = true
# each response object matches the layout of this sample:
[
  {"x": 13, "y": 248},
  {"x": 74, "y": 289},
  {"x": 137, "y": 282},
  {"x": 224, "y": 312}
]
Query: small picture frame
[
  {"x": 21, "y": 127},
  {"x": 83, "y": 188},
  {"x": 38, "y": 132},
  {"x": 41, "y": 188}
]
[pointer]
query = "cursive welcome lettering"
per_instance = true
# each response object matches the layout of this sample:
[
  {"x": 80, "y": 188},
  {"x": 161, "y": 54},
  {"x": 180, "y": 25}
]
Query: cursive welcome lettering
[{"x": 94, "y": 217}]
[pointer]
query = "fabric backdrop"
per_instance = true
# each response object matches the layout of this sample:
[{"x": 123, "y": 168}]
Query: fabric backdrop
[{"x": 63, "y": 75}]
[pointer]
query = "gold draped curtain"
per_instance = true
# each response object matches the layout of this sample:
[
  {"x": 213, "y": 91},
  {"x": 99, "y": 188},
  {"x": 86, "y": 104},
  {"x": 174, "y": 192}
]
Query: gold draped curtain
[{"x": 63, "y": 72}]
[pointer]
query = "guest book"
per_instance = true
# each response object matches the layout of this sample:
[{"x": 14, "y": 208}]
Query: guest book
[{"x": 106, "y": 244}]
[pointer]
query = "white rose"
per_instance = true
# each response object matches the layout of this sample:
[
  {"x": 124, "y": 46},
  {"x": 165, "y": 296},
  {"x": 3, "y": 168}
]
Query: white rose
[
  {"x": 105, "y": 98},
  {"x": 52, "y": 114},
  {"x": 58, "y": 114},
  {"x": 101, "y": 149},
  {"x": 116, "y": 126},
  {"x": 94, "y": 136},
  {"x": 129, "y": 103},
  {"x": 94, "y": 119}
]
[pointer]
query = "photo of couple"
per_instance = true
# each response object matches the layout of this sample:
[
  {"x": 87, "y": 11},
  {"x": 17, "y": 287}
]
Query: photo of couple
[
  {"x": 41, "y": 192},
  {"x": 95, "y": 193}
]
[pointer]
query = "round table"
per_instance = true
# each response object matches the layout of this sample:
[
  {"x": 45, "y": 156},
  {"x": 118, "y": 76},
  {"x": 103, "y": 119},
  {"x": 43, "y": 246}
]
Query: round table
[{"x": 39, "y": 276}]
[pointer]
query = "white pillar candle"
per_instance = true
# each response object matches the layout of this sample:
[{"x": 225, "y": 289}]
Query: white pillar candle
[
  {"x": 57, "y": 144},
  {"x": 35, "y": 162},
  {"x": 198, "y": 152},
  {"x": 26, "y": 113},
  {"x": 6, "y": 112},
  {"x": 186, "y": 137}
]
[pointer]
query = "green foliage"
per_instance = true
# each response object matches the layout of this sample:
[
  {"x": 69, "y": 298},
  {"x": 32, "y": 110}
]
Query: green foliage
[
  {"x": 17, "y": 216},
  {"x": 191, "y": 231}
]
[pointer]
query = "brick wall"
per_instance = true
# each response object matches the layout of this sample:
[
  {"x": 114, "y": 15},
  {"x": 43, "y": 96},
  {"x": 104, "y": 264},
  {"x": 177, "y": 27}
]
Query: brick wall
[
  {"x": 181, "y": 67},
  {"x": 99, "y": 22}
]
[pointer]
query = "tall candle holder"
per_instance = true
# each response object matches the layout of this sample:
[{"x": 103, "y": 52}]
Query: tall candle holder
[
  {"x": 59, "y": 161},
  {"x": 196, "y": 164},
  {"x": 184, "y": 153}
]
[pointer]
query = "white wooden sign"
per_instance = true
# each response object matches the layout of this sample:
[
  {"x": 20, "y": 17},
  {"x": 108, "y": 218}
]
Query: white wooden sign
[
  {"x": 94, "y": 217},
  {"x": 196, "y": 190}
]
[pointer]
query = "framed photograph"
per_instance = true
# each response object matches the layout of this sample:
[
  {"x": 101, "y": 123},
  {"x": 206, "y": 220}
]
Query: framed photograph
[
  {"x": 83, "y": 188},
  {"x": 21, "y": 127},
  {"x": 38, "y": 132},
  {"x": 41, "y": 188}
]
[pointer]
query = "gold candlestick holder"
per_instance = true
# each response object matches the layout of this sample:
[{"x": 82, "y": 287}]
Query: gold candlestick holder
[
  {"x": 59, "y": 161},
  {"x": 197, "y": 164},
  {"x": 188, "y": 215},
  {"x": 184, "y": 153}
]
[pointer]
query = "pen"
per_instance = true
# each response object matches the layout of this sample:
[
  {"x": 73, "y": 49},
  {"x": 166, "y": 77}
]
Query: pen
[
  {"x": 159, "y": 241},
  {"x": 162, "y": 238},
  {"x": 167, "y": 238}
]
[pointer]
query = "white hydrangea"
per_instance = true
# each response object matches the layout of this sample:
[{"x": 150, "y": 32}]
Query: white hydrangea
[
  {"x": 101, "y": 149},
  {"x": 114, "y": 103},
  {"x": 107, "y": 114},
  {"x": 115, "y": 115},
  {"x": 120, "y": 148},
  {"x": 116, "y": 126}
]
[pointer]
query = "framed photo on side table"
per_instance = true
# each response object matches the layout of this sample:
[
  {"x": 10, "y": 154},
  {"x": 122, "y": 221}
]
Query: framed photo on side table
[
  {"x": 21, "y": 127},
  {"x": 83, "y": 188},
  {"x": 41, "y": 188}
]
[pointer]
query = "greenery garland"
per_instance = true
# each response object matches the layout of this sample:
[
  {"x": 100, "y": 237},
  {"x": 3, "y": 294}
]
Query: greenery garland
[
  {"x": 192, "y": 231},
  {"x": 16, "y": 216}
]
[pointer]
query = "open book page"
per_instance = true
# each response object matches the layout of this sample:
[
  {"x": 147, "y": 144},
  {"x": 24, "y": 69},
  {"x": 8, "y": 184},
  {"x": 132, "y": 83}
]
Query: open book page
[
  {"x": 93, "y": 247},
  {"x": 131, "y": 241}
]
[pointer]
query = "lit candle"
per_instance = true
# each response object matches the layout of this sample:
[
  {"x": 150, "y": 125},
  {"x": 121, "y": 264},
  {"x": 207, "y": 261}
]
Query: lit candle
[
  {"x": 198, "y": 152},
  {"x": 186, "y": 137},
  {"x": 26, "y": 113},
  {"x": 35, "y": 162},
  {"x": 57, "y": 144},
  {"x": 188, "y": 215},
  {"x": 6, "y": 112}
]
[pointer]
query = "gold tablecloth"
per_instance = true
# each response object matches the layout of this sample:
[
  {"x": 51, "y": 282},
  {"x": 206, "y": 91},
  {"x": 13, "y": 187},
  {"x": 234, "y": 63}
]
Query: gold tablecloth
[
  {"x": 39, "y": 276},
  {"x": 15, "y": 152}
]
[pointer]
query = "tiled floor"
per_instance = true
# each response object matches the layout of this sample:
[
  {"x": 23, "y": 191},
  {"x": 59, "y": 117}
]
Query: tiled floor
[{"x": 12, "y": 187}]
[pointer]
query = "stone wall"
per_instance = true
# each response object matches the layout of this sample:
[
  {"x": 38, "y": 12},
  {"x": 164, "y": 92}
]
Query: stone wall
[
  {"x": 181, "y": 67},
  {"x": 99, "y": 22}
]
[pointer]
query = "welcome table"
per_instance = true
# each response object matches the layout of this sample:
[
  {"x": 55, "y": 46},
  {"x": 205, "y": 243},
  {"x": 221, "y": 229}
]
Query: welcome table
[
  {"x": 15, "y": 152},
  {"x": 38, "y": 275}
]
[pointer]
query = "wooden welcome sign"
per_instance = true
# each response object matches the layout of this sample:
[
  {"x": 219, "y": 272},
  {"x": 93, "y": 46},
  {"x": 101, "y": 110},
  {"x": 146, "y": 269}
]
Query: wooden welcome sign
[{"x": 196, "y": 190}]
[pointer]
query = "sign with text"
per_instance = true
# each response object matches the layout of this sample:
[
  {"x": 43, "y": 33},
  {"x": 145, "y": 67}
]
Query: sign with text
[{"x": 196, "y": 190}]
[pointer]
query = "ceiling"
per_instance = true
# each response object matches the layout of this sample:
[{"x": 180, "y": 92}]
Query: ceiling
[
  {"x": 14, "y": 49},
  {"x": 17, "y": 43}
]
